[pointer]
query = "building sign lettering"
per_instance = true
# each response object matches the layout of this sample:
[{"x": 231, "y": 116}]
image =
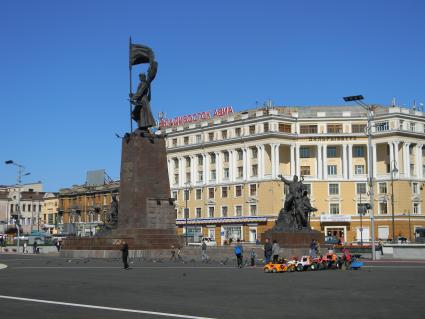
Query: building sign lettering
[
  {"x": 189, "y": 118},
  {"x": 331, "y": 138}
]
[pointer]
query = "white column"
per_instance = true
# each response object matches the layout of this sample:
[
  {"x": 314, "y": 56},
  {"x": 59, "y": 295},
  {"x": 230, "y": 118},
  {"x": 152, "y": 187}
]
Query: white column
[
  {"x": 231, "y": 152},
  {"x": 181, "y": 175},
  {"x": 245, "y": 163},
  {"x": 218, "y": 167},
  {"x": 421, "y": 162},
  {"x": 206, "y": 168},
  {"x": 406, "y": 159},
  {"x": 344, "y": 162},
  {"x": 170, "y": 173},
  {"x": 277, "y": 160},
  {"x": 298, "y": 162},
  {"x": 418, "y": 164},
  {"x": 391, "y": 146},
  {"x": 260, "y": 161},
  {"x": 293, "y": 160},
  {"x": 193, "y": 169},
  {"x": 325, "y": 161},
  {"x": 350, "y": 161},
  {"x": 375, "y": 171},
  {"x": 273, "y": 159},
  {"x": 397, "y": 159},
  {"x": 319, "y": 164}
]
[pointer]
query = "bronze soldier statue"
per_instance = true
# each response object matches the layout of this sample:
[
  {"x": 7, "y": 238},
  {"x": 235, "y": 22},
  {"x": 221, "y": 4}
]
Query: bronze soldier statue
[{"x": 140, "y": 100}]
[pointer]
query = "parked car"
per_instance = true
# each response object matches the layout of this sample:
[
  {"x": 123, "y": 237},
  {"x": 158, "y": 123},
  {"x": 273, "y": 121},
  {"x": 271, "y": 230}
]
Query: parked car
[
  {"x": 208, "y": 241},
  {"x": 331, "y": 240}
]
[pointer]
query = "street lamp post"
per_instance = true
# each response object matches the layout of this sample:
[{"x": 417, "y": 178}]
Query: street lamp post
[
  {"x": 186, "y": 198},
  {"x": 21, "y": 173},
  {"x": 370, "y": 115},
  {"x": 410, "y": 229},
  {"x": 393, "y": 171}
]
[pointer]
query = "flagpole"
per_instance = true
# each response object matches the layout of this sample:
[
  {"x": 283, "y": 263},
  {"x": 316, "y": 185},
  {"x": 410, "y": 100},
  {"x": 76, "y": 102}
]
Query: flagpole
[{"x": 131, "y": 85}]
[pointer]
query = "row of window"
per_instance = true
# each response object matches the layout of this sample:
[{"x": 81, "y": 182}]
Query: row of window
[
  {"x": 332, "y": 170},
  {"x": 213, "y": 174},
  {"x": 224, "y": 212},
  {"x": 331, "y": 151},
  {"x": 334, "y": 209},
  {"x": 225, "y": 191},
  {"x": 333, "y": 189},
  {"x": 253, "y": 129},
  {"x": 25, "y": 208}
]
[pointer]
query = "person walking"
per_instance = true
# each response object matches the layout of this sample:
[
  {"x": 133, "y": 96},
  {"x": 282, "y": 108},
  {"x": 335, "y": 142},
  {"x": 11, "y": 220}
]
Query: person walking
[
  {"x": 204, "y": 256},
  {"x": 275, "y": 251},
  {"x": 268, "y": 249},
  {"x": 253, "y": 256},
  {"x": 124, "y": 250},
  {"x": 313, "y": 247},
  {"x": 34, "y": 247},
  {"x": 239, "y": 253}
]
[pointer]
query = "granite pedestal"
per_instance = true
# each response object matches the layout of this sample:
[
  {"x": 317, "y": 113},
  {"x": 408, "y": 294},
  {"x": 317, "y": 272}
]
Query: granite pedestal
[{"x": 146, "y": 218}]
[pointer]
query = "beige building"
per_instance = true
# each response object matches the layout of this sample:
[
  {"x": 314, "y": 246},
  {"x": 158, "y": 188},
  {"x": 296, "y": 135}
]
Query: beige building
[
  {"x": 227, "y": 168},
  {"x": 49, "y": 213}
]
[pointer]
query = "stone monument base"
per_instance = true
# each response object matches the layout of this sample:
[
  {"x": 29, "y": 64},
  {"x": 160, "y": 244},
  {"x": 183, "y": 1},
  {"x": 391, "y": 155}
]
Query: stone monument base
[
  {"x": 296, "y": 243},
  {"x": 146, "y": 214}
]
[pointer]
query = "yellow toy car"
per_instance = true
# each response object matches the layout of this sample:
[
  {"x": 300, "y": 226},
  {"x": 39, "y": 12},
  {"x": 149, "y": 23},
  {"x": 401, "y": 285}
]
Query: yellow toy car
[{"x": 281, "y": 266}]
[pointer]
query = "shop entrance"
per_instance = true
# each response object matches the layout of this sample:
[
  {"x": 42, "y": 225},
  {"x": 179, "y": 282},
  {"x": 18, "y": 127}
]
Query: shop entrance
[{"x": 337, "y": 232}]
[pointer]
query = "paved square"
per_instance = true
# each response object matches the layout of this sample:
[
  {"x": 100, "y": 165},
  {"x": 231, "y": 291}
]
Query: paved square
[{"x": 91, "y": 288}]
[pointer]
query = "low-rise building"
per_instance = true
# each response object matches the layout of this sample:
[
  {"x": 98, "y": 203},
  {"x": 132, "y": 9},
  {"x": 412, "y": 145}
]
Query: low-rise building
[
  {"x": 83, "y": 208},
  {"x": 49, "y": 213}
]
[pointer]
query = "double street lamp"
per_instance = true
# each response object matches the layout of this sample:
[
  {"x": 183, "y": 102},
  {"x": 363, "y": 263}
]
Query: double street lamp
[
  {"x": 370, "y": 115},
  {"x": 21, "y": 173}
]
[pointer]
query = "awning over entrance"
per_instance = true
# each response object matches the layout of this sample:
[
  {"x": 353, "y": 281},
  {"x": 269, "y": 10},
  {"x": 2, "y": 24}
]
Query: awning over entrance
[
  {"x": 223, "y": 220},
  {"x": 335, "y": 218}
]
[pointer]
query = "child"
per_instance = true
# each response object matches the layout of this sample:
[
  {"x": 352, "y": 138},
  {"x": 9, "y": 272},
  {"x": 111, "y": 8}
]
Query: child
[{"x": 253, "y": 256}]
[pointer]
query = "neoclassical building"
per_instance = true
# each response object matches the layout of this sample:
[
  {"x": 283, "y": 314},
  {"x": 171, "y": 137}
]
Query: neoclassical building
[{"x": 224, "y": 170}]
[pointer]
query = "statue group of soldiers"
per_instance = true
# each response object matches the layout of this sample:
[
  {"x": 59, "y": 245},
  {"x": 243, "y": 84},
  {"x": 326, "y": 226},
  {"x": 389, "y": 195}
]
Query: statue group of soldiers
[{"x": 295, "y": 212}]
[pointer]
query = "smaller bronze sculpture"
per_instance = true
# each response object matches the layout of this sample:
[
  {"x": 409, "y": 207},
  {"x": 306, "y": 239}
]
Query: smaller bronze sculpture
[
  {"x": 294, "y": 216},
  {"x": 112, "y": 217}
]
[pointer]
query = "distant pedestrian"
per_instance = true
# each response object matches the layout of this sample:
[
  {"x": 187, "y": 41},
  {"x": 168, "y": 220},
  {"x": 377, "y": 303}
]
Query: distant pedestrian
[
  {"x": 380, "y": 247},
  {"x": 58, "y": 245},
  {"x": 124, "y": 250},
  {"x": 275, "y": 251},
  {"x": 25, "y": 247},
  {"x": 253, "y": 256},
  {"x": 239, "y": 253},
  {"x": 313, "y": 247},
  {"x": 317, "y": 248},
  {"x": 34, "y": 247},
  {"x": 268, "y": 249},
  {"x": 204, "y": 256}
]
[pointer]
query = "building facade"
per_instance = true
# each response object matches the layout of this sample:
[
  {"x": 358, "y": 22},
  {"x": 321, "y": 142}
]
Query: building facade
[
  {"x": 82, "y": 209},
  {"x": 49, "y": 213},
  {"x": 27, "y": 197},
  {"x": 224, "y": 170}
]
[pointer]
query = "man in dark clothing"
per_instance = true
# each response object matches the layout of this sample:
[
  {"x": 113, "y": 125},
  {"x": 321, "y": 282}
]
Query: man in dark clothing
[
  {"x": 34, "y": 247},
  {"x": 124, "y": 250},
  {"x": 268, "y": 248}
]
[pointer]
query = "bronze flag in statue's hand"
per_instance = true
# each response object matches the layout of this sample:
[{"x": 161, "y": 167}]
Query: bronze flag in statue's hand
[{"x": 140, "y": 54}]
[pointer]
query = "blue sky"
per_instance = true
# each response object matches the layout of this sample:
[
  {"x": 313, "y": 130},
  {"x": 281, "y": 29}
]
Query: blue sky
[{"x": 64, "y": 67}]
